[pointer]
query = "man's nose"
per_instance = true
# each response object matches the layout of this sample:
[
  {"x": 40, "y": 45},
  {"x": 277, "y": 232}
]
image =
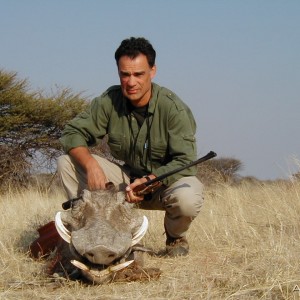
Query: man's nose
[{"x": 131, "y": 80}]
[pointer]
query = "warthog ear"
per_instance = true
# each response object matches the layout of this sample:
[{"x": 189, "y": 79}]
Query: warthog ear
[{"x": 109, "y": 185}]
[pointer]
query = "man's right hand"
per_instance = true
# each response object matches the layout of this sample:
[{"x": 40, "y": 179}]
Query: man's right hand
[{"x": 96, "y": 178}]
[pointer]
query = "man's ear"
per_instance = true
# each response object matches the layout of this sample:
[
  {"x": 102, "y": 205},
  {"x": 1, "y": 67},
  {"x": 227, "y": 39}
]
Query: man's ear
[{"x": 153, "y": 72}]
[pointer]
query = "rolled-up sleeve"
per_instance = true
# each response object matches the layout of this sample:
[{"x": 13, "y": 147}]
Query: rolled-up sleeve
[{"x": 87, "y": 128}]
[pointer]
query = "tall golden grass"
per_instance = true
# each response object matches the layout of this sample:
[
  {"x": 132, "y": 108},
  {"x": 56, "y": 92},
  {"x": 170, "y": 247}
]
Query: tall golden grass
[{"x": 245, "y": 244}]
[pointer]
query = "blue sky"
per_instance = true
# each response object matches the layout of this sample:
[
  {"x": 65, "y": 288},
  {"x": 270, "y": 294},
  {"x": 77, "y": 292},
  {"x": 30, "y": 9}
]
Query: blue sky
[{"x": 235, "y": 63}]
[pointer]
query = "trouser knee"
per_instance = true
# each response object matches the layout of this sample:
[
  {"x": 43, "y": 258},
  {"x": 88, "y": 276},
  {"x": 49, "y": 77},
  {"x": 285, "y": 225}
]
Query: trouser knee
[
  {"x": 182, "y": 202},
  {"x": 72, "y": 179},
  {"x": 184, "y": 198},
  {"x": 189, "y": 204},
  {"x": 62, "y": 163}
]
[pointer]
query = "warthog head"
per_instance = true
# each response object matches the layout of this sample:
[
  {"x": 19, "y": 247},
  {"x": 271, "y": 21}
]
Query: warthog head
[{"x": 101, "y": 226}]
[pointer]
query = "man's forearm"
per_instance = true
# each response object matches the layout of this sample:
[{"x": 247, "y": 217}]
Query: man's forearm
[
  {"x": 96, "y": 179},
  {"x": 82, "y": 156}
]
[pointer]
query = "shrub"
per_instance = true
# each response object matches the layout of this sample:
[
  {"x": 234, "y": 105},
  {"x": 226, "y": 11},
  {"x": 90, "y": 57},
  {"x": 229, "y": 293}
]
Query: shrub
[{"x": 30, "y": 125}]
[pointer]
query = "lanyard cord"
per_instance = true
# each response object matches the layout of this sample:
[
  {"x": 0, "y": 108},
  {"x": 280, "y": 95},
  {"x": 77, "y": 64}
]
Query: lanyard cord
[
  {"x": 133, "y": 140},
  {"x": 147, "y": 145},
  {"x": 148, "y": 140}
]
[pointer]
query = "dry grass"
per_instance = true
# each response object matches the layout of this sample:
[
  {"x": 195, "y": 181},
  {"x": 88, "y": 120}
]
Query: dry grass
[{"x": 244, "y": 245}]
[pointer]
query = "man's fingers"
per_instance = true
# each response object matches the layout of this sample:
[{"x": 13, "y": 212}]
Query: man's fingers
[
  {"x": 93, "y": 185},
  {"x": 130, "y": 197}
]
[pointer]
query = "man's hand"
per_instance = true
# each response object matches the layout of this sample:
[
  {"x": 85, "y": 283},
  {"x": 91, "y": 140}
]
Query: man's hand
[
  {"x": 96, "y": 178},
  {"x": 131, "y": 196}
]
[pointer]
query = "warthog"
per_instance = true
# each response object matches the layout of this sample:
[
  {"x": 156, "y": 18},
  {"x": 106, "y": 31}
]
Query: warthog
[{"x": 101, "y": 232}]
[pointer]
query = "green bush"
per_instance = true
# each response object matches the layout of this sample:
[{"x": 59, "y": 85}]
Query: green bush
[{"x": 30, "y": 125}]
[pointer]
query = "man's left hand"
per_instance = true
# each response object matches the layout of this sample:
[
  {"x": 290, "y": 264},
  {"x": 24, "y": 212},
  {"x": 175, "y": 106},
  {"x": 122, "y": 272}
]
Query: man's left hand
[{"x": 131, "y": 196}]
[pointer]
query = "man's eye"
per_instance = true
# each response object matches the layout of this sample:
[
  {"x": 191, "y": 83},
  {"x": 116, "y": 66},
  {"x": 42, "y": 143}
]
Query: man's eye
[{"x": 139, "y": 74}]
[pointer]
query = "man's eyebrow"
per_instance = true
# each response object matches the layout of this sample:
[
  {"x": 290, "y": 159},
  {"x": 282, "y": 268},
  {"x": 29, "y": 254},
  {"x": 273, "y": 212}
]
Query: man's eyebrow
[{"x": 134, "y": 73}]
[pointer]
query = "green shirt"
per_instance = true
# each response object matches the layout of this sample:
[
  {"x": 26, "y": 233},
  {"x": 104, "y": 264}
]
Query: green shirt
[{"x": 164, "y": 142}]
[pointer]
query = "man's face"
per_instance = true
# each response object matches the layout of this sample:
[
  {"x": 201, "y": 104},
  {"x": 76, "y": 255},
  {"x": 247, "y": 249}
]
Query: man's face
[{"x": 135, "y": 77}]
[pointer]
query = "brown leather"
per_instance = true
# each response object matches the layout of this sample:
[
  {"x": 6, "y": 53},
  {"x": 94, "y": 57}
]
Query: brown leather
[{"x": 47, "y": 241}]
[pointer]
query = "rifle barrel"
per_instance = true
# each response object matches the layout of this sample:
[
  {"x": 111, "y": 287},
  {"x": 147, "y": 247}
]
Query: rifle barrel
[{"x": 208, "y": 156}]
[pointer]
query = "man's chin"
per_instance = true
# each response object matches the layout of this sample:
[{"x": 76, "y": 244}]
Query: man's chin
[
  {"x": 136, "y": 99},
  {"x": 133, "y": 98}
]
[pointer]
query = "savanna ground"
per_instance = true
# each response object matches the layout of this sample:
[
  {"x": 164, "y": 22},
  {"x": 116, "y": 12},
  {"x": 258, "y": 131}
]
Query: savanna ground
[{"x": 245, "y": 244}]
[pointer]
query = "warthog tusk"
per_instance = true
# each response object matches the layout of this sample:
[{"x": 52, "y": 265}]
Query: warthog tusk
[
  {"x": 61, "y": 229},
  {"x": 137, "y": 236},
  {"x": 102, "y": 273}
]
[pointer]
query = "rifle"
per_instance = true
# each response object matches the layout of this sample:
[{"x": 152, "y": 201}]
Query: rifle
[{"x": 151, "y": 185}]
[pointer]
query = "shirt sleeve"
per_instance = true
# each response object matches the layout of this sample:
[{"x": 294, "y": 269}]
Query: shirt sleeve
[{"x": 88, "y": 128}]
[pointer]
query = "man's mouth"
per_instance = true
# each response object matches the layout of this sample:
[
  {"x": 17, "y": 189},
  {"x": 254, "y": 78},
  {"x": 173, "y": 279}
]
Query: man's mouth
[{"x": 131, "y": 92}]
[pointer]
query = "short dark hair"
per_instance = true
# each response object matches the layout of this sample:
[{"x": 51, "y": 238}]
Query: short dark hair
[{"x": 132, "y": 47}]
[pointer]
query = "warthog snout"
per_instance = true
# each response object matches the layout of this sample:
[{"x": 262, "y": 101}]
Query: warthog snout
[
  {"x": 105, "y": 243},
  {"x": 102, "y": 226},
  {"x": 101, "y": 254}
]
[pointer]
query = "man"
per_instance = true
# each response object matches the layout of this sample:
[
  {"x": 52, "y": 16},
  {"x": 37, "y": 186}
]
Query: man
[{"x": 151, "y": 130}]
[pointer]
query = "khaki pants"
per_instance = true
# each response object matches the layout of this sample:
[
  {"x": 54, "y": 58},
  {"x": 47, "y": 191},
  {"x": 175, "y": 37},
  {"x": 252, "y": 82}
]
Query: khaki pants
[{"x": 181, "y": 201}]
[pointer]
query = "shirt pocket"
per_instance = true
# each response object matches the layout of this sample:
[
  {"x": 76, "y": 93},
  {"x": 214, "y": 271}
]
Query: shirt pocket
[
  {"x": 115, "y": 143},
  {"x": 158, "y": 151}
]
